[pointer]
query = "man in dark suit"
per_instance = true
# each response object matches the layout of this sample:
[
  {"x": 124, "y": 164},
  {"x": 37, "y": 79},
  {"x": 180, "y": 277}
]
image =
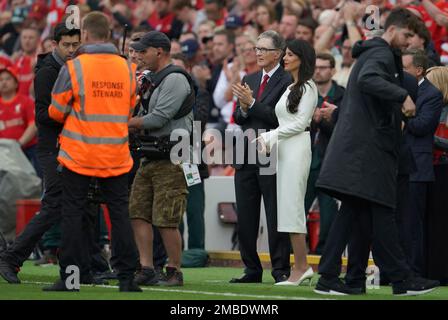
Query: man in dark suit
[
  {"x": 258, "y": 96},
  {"x": 419, "y": 135}
]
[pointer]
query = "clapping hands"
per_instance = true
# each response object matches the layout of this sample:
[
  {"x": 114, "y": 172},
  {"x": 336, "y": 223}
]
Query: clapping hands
[{"x": 244, "y": 95}]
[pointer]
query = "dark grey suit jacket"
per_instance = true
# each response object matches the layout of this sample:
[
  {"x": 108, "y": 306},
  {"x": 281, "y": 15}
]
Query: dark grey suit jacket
[
  {"x": 262, "y": 114},
  {"x": 420, "y": 130}
]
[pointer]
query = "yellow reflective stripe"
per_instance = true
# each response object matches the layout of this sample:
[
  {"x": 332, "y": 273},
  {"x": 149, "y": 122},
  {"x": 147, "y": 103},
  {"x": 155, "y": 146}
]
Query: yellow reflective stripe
[
  {"x": 93, "y": 140},
  {"x": 58, "y": 106},
  {"x": 80, "y": 80},
  {"x": 64, "y": 154},
  {"x": 130, "y": 76},
  {"x": 100, "y": 117}
]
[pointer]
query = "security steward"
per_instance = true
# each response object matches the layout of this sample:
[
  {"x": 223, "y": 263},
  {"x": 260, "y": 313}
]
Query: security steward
[
  {"x": 94, "y": 97},
  {"x": 159, "y": 192}
]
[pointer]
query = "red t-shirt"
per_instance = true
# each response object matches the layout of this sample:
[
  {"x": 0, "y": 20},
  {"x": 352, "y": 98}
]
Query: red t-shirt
[
  {"x": 24, "y": 65},
  {"x": 162, "y": 24},
  {"x": 15, "y": 116}
]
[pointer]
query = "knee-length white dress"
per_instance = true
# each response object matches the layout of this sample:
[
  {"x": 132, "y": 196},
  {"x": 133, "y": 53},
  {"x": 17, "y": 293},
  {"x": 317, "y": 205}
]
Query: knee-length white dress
[{"x": 294, "y": 158}]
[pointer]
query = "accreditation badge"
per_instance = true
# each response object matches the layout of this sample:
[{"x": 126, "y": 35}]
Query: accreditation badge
[{"x": 191, "y": 173}]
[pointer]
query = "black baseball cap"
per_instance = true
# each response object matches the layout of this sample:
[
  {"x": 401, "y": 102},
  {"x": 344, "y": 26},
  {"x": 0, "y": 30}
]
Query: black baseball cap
[
  {"x": 189, "y": 48},
  {"x": 153, "y": 39}
]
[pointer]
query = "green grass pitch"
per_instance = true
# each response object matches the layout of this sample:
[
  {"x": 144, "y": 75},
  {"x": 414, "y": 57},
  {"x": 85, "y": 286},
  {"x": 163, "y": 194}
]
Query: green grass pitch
[{"x": 200, "y": 284}]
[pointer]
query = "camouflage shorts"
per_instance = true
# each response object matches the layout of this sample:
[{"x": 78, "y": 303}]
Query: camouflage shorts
[{"x": 159, "y": 194}]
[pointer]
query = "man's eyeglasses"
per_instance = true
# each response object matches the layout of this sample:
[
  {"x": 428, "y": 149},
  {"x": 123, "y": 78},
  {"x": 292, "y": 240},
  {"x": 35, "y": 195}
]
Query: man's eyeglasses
[{"x": 264, "y": 50}]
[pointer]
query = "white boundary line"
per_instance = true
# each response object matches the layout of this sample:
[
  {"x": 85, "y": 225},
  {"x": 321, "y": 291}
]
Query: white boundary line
[{"x": 209, "y": 293}]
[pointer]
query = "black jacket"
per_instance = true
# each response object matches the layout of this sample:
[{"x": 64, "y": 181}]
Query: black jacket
[
  {"x": 262, "y": 114},
  {"x": 362, "y": 157},
  {"x": 420, "y": 130},
  {"x": 201, "y": 115},
  {"x": 214, "y": 113},
  {"x": 47, "y": 70}
]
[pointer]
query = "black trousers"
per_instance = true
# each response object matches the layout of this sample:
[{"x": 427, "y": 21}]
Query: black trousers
[
  {"x": 436, "y": 253},
  {"x": 74, "y": 203},
  {"x": 250, "y": 186},
  {"x": 360, "y": 242},
  {"x": 49, "y": 215},
  {"x": 361, "y": 217},
  {"x": 415, "y": 227}
]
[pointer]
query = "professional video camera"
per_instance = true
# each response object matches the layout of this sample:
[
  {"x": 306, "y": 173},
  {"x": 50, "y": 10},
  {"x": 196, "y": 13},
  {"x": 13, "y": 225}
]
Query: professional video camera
[{"x": 153, "y": 148}]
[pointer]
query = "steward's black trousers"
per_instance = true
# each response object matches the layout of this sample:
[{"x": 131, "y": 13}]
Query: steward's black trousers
[{"x": 74, "y": 242}]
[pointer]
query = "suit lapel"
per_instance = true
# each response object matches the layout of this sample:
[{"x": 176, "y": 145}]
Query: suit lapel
[{"x": 276, "y": 77}]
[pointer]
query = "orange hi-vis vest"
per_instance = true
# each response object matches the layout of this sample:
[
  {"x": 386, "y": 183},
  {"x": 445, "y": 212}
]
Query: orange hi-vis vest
[{"x": 95, "y": 103}]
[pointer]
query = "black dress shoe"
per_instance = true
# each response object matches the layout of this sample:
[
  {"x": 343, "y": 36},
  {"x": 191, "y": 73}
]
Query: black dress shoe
[
  {"x": 246, "y": 279},
  {"x": 59, "y": 286},
  {"x": 8, "y": 272},
  {"x": 129, "y": 285},
  {"x": 281, "y": 278}
]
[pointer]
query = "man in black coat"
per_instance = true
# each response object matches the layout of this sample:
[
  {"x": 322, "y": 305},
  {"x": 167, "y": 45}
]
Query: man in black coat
[
  {"x": 256, "y": 110},
  {"x": 47, "y": 69},
  {"x": 419, "y": 135},
  {"x": 360, "y": 242},
  {"x": 361, "y": 163}
]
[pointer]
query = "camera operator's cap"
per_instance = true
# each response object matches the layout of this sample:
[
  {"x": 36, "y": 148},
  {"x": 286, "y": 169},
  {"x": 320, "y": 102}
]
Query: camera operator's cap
[
  {"x": 189, "y": 48},
  {"x": 153, "y": 39},
  {"x": 233, "y": 22}
]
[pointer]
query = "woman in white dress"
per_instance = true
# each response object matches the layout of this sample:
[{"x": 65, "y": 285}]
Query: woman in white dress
[{"x": 294, "y": 111}]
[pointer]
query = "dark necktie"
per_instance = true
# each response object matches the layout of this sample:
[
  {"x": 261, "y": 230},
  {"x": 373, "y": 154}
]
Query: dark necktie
[{"x": 262, "y": 86}]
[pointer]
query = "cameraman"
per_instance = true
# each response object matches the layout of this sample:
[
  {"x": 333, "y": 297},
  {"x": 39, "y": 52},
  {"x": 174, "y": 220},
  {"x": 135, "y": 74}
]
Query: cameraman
[{"x": 159, "y": 191}]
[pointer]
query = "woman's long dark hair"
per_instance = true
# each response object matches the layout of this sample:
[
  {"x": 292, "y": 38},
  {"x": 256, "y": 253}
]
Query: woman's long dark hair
[{"x": 307, "y": 57}]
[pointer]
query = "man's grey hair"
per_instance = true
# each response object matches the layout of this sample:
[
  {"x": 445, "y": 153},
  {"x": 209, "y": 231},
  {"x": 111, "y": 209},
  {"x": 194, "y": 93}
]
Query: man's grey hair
[
  {"x": 419, "y": 58},
  {"x": 277, "y": 40}
]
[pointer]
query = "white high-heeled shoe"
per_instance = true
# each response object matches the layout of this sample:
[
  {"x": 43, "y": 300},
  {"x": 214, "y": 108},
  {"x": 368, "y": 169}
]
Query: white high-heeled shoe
[{"x": 308, "y": 275}]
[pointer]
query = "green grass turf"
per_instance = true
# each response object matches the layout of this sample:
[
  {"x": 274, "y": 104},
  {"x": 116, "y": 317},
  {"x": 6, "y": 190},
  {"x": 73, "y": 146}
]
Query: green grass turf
[{"x": 200, "y": 284}]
